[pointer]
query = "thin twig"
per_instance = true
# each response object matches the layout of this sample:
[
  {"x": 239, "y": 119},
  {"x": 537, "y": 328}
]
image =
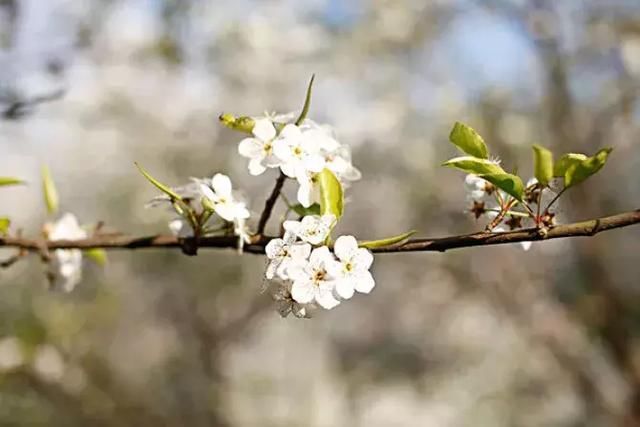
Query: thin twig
[
  {"x": 584, "y": 228},
  {"x": 270, "y": 203}
]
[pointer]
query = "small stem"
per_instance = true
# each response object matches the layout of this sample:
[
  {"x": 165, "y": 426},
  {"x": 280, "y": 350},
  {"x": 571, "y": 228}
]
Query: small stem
[
  {"x": 529, "y": 210},
  {"x": 555, "y": 198},
  {"x": 270, "y": 203},
  {"x": 539, "y": 201},
  {"x": 512, "y": 213},
  {"x": 500, "y": 216}
]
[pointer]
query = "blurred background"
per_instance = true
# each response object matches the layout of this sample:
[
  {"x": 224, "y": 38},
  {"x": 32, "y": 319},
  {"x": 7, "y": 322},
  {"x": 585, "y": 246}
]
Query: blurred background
[{"x": 473, "y": 337}]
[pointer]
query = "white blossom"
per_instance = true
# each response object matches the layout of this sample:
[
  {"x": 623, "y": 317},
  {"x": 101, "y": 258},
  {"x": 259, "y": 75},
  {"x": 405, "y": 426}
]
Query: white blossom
[
  {"x": 284, "y": 252},
  {"x": 220, "y": 193},
  {"x": 475, "y": 187},
  {"x": 259, "y": 149},
  {"x": 313, "y": 229},
  {"x": 308, "y": 189},
  {"x": 351, "y": 271},
  {"x": 312, "y": 281},
  {"x": 67, "y": 263},
  {"x": 297, "y": 152},
  {"x": 337, "y": 156}
]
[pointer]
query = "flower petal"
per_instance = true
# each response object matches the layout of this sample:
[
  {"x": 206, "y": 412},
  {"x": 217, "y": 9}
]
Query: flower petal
[
  {"x": 270, "y": 272},
  {"x": 256, "y": 167},
  {"x": 264, "y": 130},
  {"x": 305, "y": 191},
  {"x": 291, "y": 131},
  {"x": 274, "y": 248},
  {"x": 207, "y": 192},
  {"x": 345, "y": 247},
  {"x": 344, "y": 288},
  {"x": 364, "y": 282},
  {"x": 319, "y": 256},
  {"x": 324, "y": 297},
  {"x": 221, "y": 185},
  {"x": 251, "y": 148},
  {"x": 303, "y": 291},
  {"x": 363, "y": 259},
  {"x": 292, "y": 226},
  {"x": 300, "y": 251}
]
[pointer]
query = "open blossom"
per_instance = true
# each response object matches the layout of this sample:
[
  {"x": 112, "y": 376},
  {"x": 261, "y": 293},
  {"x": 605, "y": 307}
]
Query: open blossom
[
  {"x": 67, "y": 263},
  {"x": 313, "y": 229},
  {"x": 259, "y": 149},
  {"x": 337, "y": 157},
  {"x": 351, "y": 271},
  {"x": 312, "y": 280},
  {"x": 284, "y": 252},
  {"x": 297, "y": 152},
  {"x": 220, "y": 194}
]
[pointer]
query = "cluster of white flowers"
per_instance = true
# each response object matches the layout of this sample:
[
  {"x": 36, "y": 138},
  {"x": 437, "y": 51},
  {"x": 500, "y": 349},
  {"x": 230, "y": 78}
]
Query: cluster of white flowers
[
  {"x": 216, "y": 193},
  {"x": 305, "y": 272},
  {"x": 66, "y": 264},
  {"x": 300, "y": 152}
]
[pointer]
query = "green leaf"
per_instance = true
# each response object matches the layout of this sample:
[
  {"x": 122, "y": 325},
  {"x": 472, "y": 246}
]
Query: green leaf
[
  {"x": 331, "y": 195},
  {"x": 565, "y": 162},
  {"x": 314, "y": 209},
  {"x": 49, "y": 191},
  {"x": 542, "y": 164},
  {"x": 400, "y": 238},
  {"x": 7, "y": 180},
  {"x": 97, "y": 255},
  {"x": 4, "y": 225},
  {"x": 160, "y": 186},
  {"x": 241, "y": 124},
  {"x": 579, "y": 172},
  {"x": 510, "y": 184},
  {"x": 307, "y": 102},
  {"x": 468, "y": 140},
  {"x": 470, "y": 164}
]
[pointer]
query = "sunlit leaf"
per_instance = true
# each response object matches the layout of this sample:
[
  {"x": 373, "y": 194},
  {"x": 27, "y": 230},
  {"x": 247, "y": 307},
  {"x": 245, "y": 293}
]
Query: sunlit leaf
[
  {"x": 49, "y": 191},
  {"x": 307, "y": 102},
  {"x": 97, "y": 255},
  {"x": 4, "y": 225},
  {"x": 566, "y": 161},
  {"x": 331, "y": 195},
  {"x": 314, "y": 209},
  {"x": 7, "y": 180},
  {"x": 468, "y": 140},
  {"x": 578, "y": 172},
  {"x": 241, "y": 124},
  {"x": 470, "y": 164},
  {"x": 542, "y": 164},
  {"x": 400, "y": 238},
  {"x": 510, "y": 184}
]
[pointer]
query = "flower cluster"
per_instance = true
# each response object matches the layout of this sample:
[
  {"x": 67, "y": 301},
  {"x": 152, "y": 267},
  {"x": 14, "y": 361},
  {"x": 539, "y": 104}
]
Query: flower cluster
[
  {"x": 307, "y": 274},
  {"x": 300, "y": 152},
  {"x": 202, "y": 198}
]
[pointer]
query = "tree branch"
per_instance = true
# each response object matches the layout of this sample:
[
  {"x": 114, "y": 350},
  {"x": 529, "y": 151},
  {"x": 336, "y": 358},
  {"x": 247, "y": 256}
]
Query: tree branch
[
  {"x": 270, "y": 203},
  {"x": 577, "y": 229}
]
